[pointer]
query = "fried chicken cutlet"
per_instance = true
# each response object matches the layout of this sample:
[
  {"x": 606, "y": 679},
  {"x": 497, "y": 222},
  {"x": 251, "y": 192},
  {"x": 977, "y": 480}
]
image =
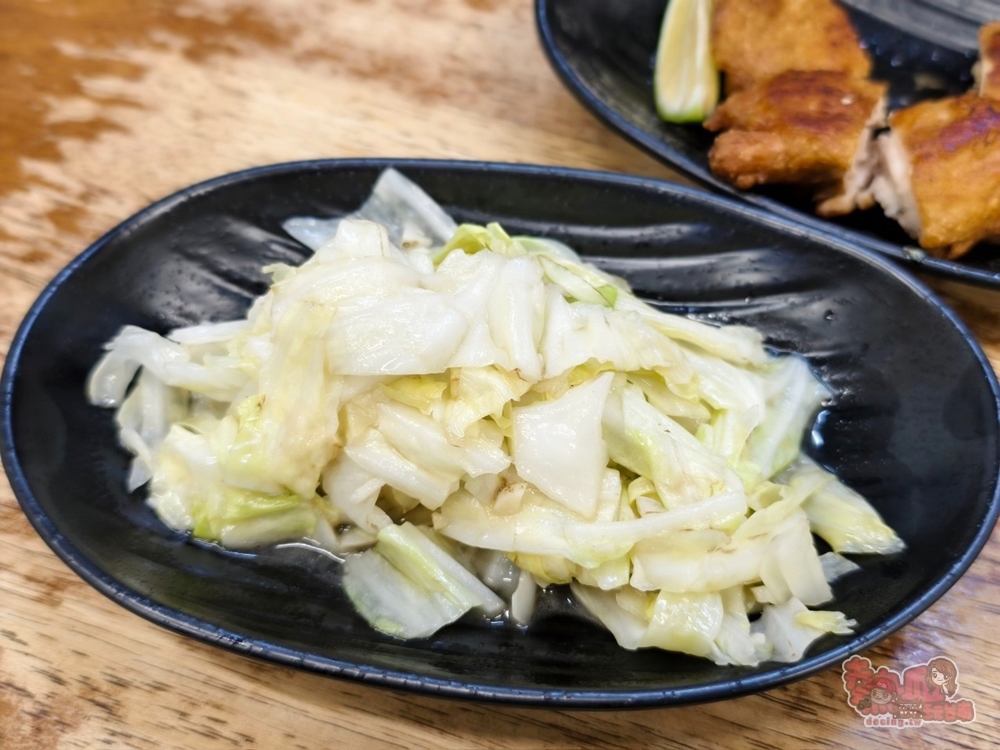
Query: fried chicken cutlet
[
  {"x": 754, "y": 40},
  {"x": 804, "y": 127},
  {"x": 938, "y": 172}
]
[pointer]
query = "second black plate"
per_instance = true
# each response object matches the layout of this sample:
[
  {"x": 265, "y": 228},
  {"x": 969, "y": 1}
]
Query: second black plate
[{"x": 604, "y": 53}]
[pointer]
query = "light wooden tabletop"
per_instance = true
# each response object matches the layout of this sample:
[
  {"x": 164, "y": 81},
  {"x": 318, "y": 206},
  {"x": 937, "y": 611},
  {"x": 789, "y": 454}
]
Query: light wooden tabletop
[{"x": 107, "y": 105}]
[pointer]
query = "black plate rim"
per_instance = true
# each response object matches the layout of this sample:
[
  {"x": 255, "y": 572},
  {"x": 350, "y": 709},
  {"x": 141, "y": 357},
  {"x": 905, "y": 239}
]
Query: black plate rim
[
  {"x": 205, "y": 632},
  {"x": 916, "y": 260}
]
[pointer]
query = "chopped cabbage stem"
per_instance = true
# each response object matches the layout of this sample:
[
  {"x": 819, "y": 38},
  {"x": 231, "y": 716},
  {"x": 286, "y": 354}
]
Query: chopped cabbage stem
[{"x": 468, "y": 416}]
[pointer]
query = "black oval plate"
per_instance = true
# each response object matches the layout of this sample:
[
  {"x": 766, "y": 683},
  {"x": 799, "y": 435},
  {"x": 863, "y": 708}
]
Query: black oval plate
[
  {"x": 604, "y": 53},
  {"x": 914, "y": 424}
]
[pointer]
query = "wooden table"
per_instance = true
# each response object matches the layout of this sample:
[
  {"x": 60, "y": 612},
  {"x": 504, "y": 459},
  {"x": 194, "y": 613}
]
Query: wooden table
[{"x": 106, "y": 105}]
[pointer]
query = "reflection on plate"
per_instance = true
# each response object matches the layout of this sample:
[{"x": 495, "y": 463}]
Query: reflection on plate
[
  {"x": 914, "y": 425},
  {"x": 604, "y": 53}
]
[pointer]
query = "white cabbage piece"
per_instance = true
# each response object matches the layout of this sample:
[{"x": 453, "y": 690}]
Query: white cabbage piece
[
  {"x": 552, "y": 247},
  {"x": 705, "y": 560},
  {"x": 480, "y": 392},
  {"x": 725, "y": 386},
  {"x": 789, "y": 635},
  {"x": 354, "y": 492},
  {"x": 411, "y": 217},
  {"x": 467, "y": 280},
  {"x": 522, "y": 601},
  {"x": 495, "y": 569},
  {"x": 791, "y": 566},
  {"x": 207, "y": 334},
  {"x": 626, "y": 626},
  {"x": 545, "y": 527},
  {"x": 131, "y": 349},
  {"x": 578, "y": 332},
  {"x": 359, "y": 238},
  {"x": 737, "y": 344},
  {"x": 422, "y": 392},
  {"x": 558, "y": 445},
  {"x": 608, "y": 576},
  {"x": 424, "y": 441},
  {"x": 793, "y": 396},
  {"x": 409, "y": 587},
  {"x": 144, "y": 419},
  {"x": 735, "y": 641},
  {"x": 188, "y": 492},
  {"x": 376, "y": 455},
  {"x": 414, "y": 332},
  {"x": 836, "y": 566},
  {"x": 827, "y": 621},
  {"x": 709, "y": 624},
  {"x": 352, "y": 282},
  {"x": 515, "y": 309},
  {"x": 687, "y": 622},
  {"x": 651, "y": 444},
  {"x": 287, "y": 430},
  {"x": 573, "y": 279},
  {"x": 656, "y": 388},
  {"x": 849, "y": 523},
  {"x": 135, "y": 347}
]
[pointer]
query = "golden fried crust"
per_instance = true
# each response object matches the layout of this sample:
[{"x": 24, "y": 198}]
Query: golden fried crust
[
  {"x": 954, "y": 150},
  {"x": 798, "y": 127},
  {"x": 989, "y": 60},
  {"x": 753, "y": 40}
]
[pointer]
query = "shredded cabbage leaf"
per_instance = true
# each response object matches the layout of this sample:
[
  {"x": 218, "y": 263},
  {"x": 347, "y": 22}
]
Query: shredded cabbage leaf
[{"x": 469, "y": 417}]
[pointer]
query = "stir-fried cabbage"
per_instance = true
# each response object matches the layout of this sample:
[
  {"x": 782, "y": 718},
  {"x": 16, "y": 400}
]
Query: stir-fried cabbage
[{"x": 469, "y": 417}]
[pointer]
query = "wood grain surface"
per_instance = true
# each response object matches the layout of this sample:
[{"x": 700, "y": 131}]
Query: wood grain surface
[{"x": 106, "y": 105}]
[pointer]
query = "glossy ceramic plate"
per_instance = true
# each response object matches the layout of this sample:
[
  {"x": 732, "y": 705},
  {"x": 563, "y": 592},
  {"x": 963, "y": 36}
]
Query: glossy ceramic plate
[
  {"x": 913, "y": 425},
  {"x": 604, "y": 53}
]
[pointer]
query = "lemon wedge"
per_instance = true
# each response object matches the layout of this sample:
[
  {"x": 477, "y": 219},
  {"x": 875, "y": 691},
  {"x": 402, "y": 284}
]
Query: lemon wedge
[{"x": 685, "y": 80}]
